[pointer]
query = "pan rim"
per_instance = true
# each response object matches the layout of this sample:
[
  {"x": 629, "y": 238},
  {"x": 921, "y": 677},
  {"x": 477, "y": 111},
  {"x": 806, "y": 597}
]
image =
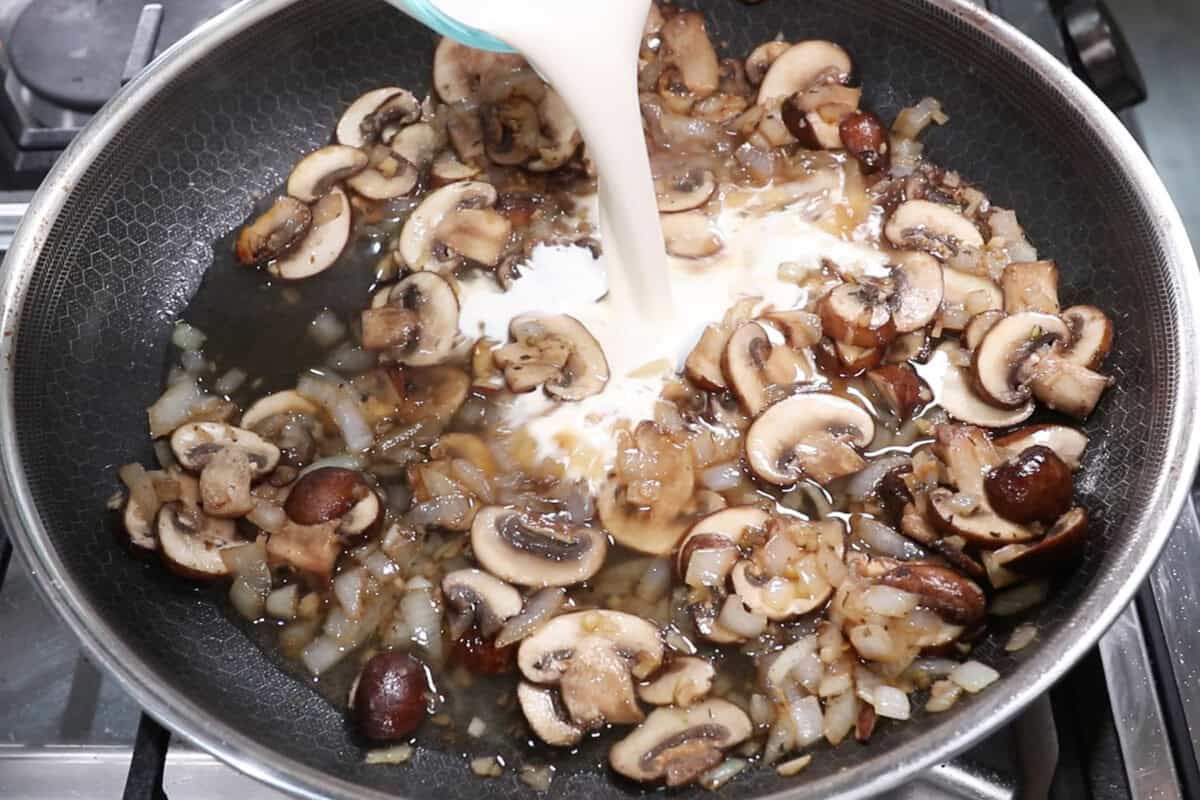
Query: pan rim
[{"x": 34, "y": 544}]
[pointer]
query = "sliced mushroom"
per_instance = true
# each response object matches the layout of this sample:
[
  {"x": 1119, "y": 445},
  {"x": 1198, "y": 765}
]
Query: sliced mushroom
[
  {"x": 687, "y": 48},
  {"x": 334, "y": 495},
  {"x": 703, "y": 364},
  {"x": 418, "y": 237},
  {"x": 777, "y": 597},
  {"x": 478, "y": 234},
  {"x": 955, "y": 392},
  {"x": 288, "y": 401},
  {"x": 225, "y": 483},
  {"x": 196, "y": 443},
  {"x": 761, "y": 59},
  {"x": 510, "y": 129},
  {"x": 720, "y": 530},
  {"x": 812, "y": 436},
  {"x": 319, "y": 171},
  {"x": 939, "y": 230},
  {"x": 387, "y": 176},
  {"x": 459, "y": 70},
  {"x": 802, "y": 65},
  {"x": 1030, "y": 286},
  {"x": 858, "y": 314},
  {"x": 685, "y": 190},
  {"x": 1009, "y": 355},
  {"x": 979, "y": 325},
  {"x": 429, "y": 338},
  {"x": 555, "y": 351},
  {"x": 965, "y": 297},
  {"x": 321, "y": 246},
  {"x": 759, "y": 372},
  {"x": 955, "y": 598},
  {"x": 366, "y": 117},
  {"x": 465, "y": 130},
  {"x": 907, "y": 347},
  {"x": 690, "y": 234},
  {"x": 1068, "y": 443},
  {"x": 643, "y": 504},
  {"x": 815, "y": 116},
  {"x": 527, "y": 552},
  {"x": 1061, "y": 547},
  {"x": 274, "y": 232},
  {"x": 141, "y": 508},
  {"x": 1066, "y": 386},
  {"x": 680, "y": 744},
  {"x": 683, "y": 682},
  {"x": 190, "y": 541},
  {"x": 916, "y": 292},
  {"x": 430, "y": 395},
  {"x": 969, "y": 455},
  {"x": 593, "y": 656},
  {"x": 559, "y": 136},
  {"x": 417, "y": 144},
  {"x": 1090, "y": 336},
  {"x": 901, "y": 388},
  {"x": 311, "y": 550},
  {"x": 448, "y": 169},
  {"x": 482, "y": 598},
  {"x": 544, "y": 712}
]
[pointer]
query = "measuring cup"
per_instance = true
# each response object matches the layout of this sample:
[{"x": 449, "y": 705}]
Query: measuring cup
[{"x": 427, "y": 12}]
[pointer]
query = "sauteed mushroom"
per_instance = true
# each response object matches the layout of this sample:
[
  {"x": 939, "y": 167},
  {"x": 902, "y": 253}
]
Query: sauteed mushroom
[
  {"x": 274, "y": 232},
  {"x": 813, "y": 436},
  {"x": 419, "y": 239},
  {"x": 190, "y": 541},
  {"x": 319, "y": 171},
  {"x": 680, "y": 744},
  {"x": 543, "y": 711},
  {"x": 529, "y": 552},
  {"x": 1008, "y": 356},
  {"x": 483, "y": 599},
  {"x": 644, "y": 503},
  {"x": 419, "y": 324},
  {"x": 759, "y": 372},
  {"x": 553, "y": 351},
  {"x": 684, "y": 681},
  {"x": 938, "y": 230},
  {"x": 322, "y": 245}
]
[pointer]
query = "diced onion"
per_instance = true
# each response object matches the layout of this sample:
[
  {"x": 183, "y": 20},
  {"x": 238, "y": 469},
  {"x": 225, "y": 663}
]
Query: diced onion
[
  {"x": 808, "y": 722},
  {"x": 537, "y": 778},
  {"x": 862, "y": 484},
  {"x": 794, "y": 766},
  {"x": 326, "y": 329},
  {"x": 1021, "y": 637},
  {"x": 722, "y": 477},
  {"x": 912, "y": 121},
  {"x": 942, "y": 696},
  {"x": 538, "y": 608},
  {"x": 444, "y": 510},
  {"x": 350, "y": 359},
  {"x": 321, "y": 654},
  {"x": 778, "y": 553},
  {"x": 761, "y": 710},
  {"x": 267, "y": 516},
  {"x": 872, "y": 642},
  {"x": 779, "y": 740},
  {"x": 349, "y": 588},
  {"x": 175, "y": 407},
  {"x": 382, "y": 567},
  {"x": 187, "y": 337},
  {"x": 337, "y": 399},
  {"x": 710, "y": 566},
  {"x": 739, "y": 620},
  {"x": 722, "y": 773},
  {"x": 425, "y": 619},
  {"x": 281, "y": 603},
  {"x": 884, "y": 540},
  {"x": 193, "y": 362},
  {"x": 974, "y": 676},
  {"x": 656, "y": 581},
  {"x": 1019, "y": 598},
  {"x": 892, "y": 703},
  {"x": 841, "y": 712},
  {"x": 476, "y": 727},
  {"x": 399, "y": 754},
  {"x": 888, "y": 601}
]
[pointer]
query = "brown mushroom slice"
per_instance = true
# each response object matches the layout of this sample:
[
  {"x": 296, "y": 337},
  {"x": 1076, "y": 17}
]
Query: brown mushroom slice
[
  {"x": 430, "y": 394},
  {"x": 813, "y": 436},
  {"x": 684, "y": 681},
  {"x": 917, "y": 292},
  {"x": 1060, "y": 548},
  {"x": 687, "y": 48},
  {"x": 524, "y": 551},
  {"x": 510, "y": 130},
  {"x": 854, "y": 359},
  {"x": 907, "y": 347},
  {"x": 1068, "y": 443},
  {"x": 814, "y": 116},
  {"x": 432, "y": 299},
  {"x": 703, "y": 364},
  {"x": 1030, "y": 286},
  {"x": 447, "y": 169},
  {"x": 481, "y": 598},
  {"x": 802, "y": 65},
  {"x": 690, "y": 234},
  {"x": 358, "y": 126},
  {"x": 936, "y": 229},
  {"x": 720, "y": 529},
  {"x": 319, "y": 171},
  {"x": 761, "y": 59},
  {"x": 858, "y": 314},
  {"x": 311, "y": 550},
  {"x": 901, "y": 388},
  {"x": 225, "y": 484},
  {"x": 458, "y": 70},
  {"x": 955, "y": 392},
  {"x": 678, "y": 745},
  {"x": 195, "y": 444},
  {"x": 643, "y": 504},
  {"x": 966, "y": 296},
  {"x": 1068, "y": 387},
  {"x": 800, "y": 329},
  {"x": 274, "y": 232},
  {"x": 141, "y": 507},
  {"x": 685, "y": 190},
  {"x": 190, "y": 541},
  {"x": 418, "y": 237},
  {"x": 1008, "y": 356},
  {"x": 418, "y": 144},
  {"x": 955, "y": 598},
  {"x": 322, "y": 245},
  {"x": 752, "y": 367},
  {"x": 1090, "y": 336},
  {"x": 559, "y": 136},
  {"x": 544, "y": 712},
  {"x": 555, "y": 351},
  {"x": 979, "y": 325},
  {"x": 478, "y": 234}
]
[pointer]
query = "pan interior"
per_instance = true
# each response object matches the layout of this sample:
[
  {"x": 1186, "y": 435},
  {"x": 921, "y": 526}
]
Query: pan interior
[{"x": 148, "y": 226}]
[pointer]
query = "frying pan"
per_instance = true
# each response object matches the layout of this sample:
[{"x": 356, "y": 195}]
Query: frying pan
[{"x": 134, "y": 223}]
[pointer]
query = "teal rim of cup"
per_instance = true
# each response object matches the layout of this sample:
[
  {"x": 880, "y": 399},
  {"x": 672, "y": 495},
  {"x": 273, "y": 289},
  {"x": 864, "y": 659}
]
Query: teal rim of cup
[{"x": 430, "y": 15}]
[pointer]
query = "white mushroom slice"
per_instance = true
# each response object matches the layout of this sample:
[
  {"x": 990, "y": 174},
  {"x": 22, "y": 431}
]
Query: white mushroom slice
[
  {"x": 458, "y": 70},
  {"x": 759, "y": 372},
  {"x": 802, "y": 65},
  {"x": 680, "y": 745},
  {"x": 685, "y": 190},
  {"x": 1030, "y": 286},
  {"x": 320, "y": 170},
  {"x": 969, "y": 455},
  {"x": 478, "y": 234},
  {"x": 448, "y": 169},
  {"x": 274, "y": 232},
  {"x": 324, "y": 242},
  {"x": 225, "y": 483},
  {"x": 432, "y": 299},
  {"x": 761, "y": 59},
  {"x": 288, "y": 401},
  {"x": 559, "y": 136},
  {"x": 190, "y": 541},
  {"x": 544, "y": 713},
  {"x": 917, "y": 292},
  {"x": 593, "y": 656},
  {"x": 1009, "y": 354},
  {"x": 196, "y": 443},
  {"x": 780, "y": 598},
  {"x": 1090, "y": 336},
  {"x": 386, "y": 177},
  {"x": 979, "y": 325},
  {"x": 966, "y": 296},
  {"x": 418, "y": 237},
  {"x": 703, "y": 364},
  {"x": 683, "y": 682},
  {"x": 953, "y": 391},
  {"x": 1066, "y": 386},
  {"x": 555, "y": 351},
  {"x": 939, "y": 230},
  {"x": 1067, "y": 443},
  {"x": 482, "y": 598},
  {"x": 720, "y": 529},
  {"x": 523, "y": 551},
  {"x": 418, "y": 144},
  {"x": 690, "y": 234},
  {"x": 644, "y": 505},
  {"x": 362, "y": 123},
  {"x": 811, "y": 436},
  {"x": 687, "y": 48}
]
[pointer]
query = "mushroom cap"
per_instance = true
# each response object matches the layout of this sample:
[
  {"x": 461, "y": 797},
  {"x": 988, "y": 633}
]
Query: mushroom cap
[
  {"x": 433, "y": 299},
  {"x": 1091, "y": 336},
  {"x": 317, "y": 173},
  {"x": 683, "y": 681},
  {"x": 685, "y": 190},
  {"x": 520, "y": 551},
  {"x": 1061, "y": 547},
  {"x": 322, "y": 245},
  {"x": 285, "y": 402},
  {"x": 544, "y": 713},
  {"x": 585, "y": 371},
  {"x": 811, "y": 435},
  {"x": 955, "y": 392},
  {"x": 546, "y": 655},
  {"x": 419, "y": 234},
  {"x": 195, "y": 443},
  {"x": 680, "y": 743},
  {"x": 798, "y": 67},
  {"x": 761, "y": 58},
  {"x": 487, "y": 599},
  {"x": 937, "y": 229},
  {"x": 979, "y": 325},
  {"x": 350, "y": 127},
  {"x": 1068, "y": 443},
  {"x": 190, "y": 541},
  {"x": 1001, "y": 364}
]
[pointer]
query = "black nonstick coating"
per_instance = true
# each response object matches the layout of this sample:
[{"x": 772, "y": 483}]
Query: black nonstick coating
[{"x": 148, "y": 226}]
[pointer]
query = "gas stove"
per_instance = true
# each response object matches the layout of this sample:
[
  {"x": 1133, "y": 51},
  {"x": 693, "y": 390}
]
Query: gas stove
[{"x": 1125, "y": 723}]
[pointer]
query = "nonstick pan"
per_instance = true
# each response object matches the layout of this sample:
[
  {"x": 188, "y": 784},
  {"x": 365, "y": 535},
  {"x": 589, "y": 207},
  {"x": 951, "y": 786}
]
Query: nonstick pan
[{"x": 134, "y": 223}]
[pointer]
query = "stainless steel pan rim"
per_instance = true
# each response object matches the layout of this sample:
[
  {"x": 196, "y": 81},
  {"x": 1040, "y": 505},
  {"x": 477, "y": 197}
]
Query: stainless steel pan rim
[{"x": 990, "y": 710}]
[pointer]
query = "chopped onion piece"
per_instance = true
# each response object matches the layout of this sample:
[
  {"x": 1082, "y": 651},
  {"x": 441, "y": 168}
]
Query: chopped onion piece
[
  {"x": 722, "y": 477},
  {"x": 888, "y": 601},
  {"x": 175, "y": 407},
  {"x": 974, "y": 676},
  {"x": 187, "y": 337},
  {"x": 349, "y": 588},
  {"x": 282, "y": 603},
  {"x": 425, "y": 619},
  {"x": 537, "y": 778},
  {"x": 476, "y": 727},
  {"x": 399, "y": 754},
  {"x": 1021, "y": 637},
  {"x": 230, "y": 382},
  {"x": 890, "y": 702},
  {"x": 656, "y": 581},
  {"x": 808, "y": 722},
  {"x": 341, "y": 403},
  {"x": 538, "y": 609},
  {"x": 322, "y": 654},
  {"x": 709, "y": 567},
  {"x": 861, "y": 485},
  {"x": 1019, "y": 598},
  {"x": 326, "y": 329},
  {"x": 739, "y": 620},
  {"x": 942, "y": 696},
  {"x": 841, "y": 712},
  {"x": 722, "y": 773},
  {"x": 872, "y": 642},
  {"x": 794, "y": 766}
]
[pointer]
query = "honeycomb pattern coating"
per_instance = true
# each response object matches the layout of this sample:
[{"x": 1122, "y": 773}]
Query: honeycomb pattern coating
[{"x": 134, "y": 243}]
